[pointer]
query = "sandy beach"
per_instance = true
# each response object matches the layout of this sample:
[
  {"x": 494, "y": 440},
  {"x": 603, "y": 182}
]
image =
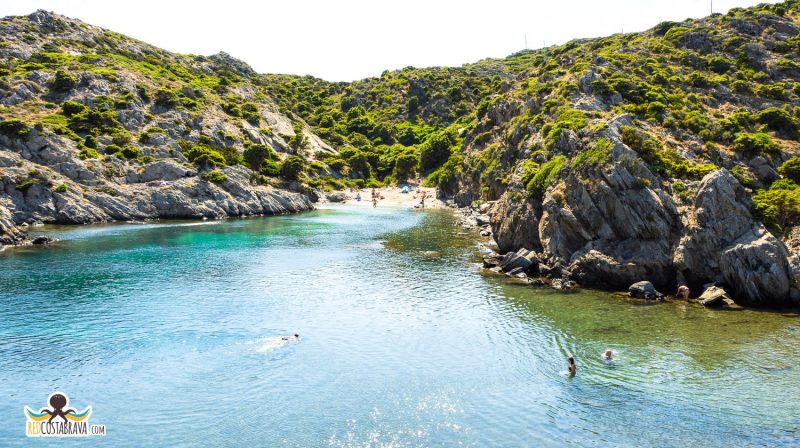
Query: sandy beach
[{"x": 390, "y": 197}]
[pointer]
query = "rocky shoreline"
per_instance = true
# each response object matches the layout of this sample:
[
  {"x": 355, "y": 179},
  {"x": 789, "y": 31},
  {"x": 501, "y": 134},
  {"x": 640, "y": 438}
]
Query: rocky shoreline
[
  {"x": 542, "y": 268},
  {"x": 65, "y": 190}
]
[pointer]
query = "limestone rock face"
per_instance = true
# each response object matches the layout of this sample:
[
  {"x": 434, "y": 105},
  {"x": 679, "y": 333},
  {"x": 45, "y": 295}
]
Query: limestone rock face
[
  {"x": 515, "y": 225},
  {"x": 73, "y": 191},
  {"x": 724, "y": 244},
  {"x": 756, "y": 267},
  {"x": 9, "y": 233},
  {"x": 611, "y": 233}
]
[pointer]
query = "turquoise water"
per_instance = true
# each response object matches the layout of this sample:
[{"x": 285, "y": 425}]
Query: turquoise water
[{"x": 168, "y": 330}]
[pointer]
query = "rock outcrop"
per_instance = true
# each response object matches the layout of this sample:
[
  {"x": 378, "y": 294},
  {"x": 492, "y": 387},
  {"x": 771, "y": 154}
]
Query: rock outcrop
[
  {"x": 723, "y": 244},
  {"x": 68, "y": 190},
  {"x": 644, "y": 290}
]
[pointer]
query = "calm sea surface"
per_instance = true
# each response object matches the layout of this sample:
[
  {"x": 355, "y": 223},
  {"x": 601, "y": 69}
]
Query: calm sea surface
[{"x": 171, "y": 331}]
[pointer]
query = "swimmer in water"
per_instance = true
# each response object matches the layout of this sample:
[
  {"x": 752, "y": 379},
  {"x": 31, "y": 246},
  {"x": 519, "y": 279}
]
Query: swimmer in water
[
  {"x": 293, "y": 337},
  {"x": 607, "y": 355},
  {"x": 573, "y": 369}
]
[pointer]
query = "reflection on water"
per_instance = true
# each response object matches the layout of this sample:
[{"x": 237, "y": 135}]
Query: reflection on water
[{"x": 405, "y": 343}]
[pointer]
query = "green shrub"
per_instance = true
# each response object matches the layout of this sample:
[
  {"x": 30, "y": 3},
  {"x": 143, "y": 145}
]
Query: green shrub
[
  {"x": 719, "y": 64},
  {"x": 130, "y": 151},
  {"x": 204, "y": 156},
  {"x": 778, "y": 119},
  {"x": 742, "y": 176},
  {"x": 544, "y": 176},
  {"x": 435, "y": 150},
  {"x": 405, "y": 165},
  {"x": 255, "y": 155},
  {"x": 14, "y": 128},
  {"x": 755, "y": 144},
  {"x": 446, "y": 174},
  {"x": 61, "y": 188},
  {"x": 26, "y": 185},
  {"x": 90, "y": 141},
  {"x": 647, "y": 147},
  {"x": 63, "y": 81},
  {"x": 250, "y": 113},
  {"x": 778, "y": 208},
  {"x": 773, "y": 91},
  {"x": 598, "y": 155},
  {"x": 299, "y": 139},
  {"x": 232, "y": 109},
  {"x": 94, "y": 121},
  {"x": 214, "y": 176},
  {"x": 112, "y": 149},
  {"x": 71, "y": 108},
  {"x": 120, "y": 137},
  {"x": 167, "y": 98},
  {"x": 741, "y": 86},
  {"x": 790, "y": 169},
  {"x": 292, "y": 168},
  {"x": 675, "y": 34},
  {"x": 88, "y": 153},
  {"x": 271, "y": 168}
]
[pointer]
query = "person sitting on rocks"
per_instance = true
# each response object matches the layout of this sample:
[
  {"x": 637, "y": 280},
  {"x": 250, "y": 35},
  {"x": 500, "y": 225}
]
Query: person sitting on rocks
[
  {"x": 683, "y": 292},
  {"x": 573, "y": 369}
]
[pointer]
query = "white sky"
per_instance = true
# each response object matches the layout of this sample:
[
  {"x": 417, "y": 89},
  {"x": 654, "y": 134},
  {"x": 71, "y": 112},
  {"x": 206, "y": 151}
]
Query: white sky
[{"x": 342, "y": 40}]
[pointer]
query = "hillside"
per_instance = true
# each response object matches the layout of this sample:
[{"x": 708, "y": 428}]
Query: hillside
[
  {"x": 644, "y": 156},
  {"x": 97, "y": 126}
]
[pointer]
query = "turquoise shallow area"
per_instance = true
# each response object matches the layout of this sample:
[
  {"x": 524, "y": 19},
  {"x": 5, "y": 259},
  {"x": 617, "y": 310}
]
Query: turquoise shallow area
[{"x": 169, "y": 330}]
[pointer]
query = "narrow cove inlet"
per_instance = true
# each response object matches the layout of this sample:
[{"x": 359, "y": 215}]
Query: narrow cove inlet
[{"x": 179, "y": 333}]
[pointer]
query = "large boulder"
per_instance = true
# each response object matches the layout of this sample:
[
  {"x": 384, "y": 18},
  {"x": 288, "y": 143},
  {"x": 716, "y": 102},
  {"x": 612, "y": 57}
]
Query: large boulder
[
  {"x": 522, "y": 259},
  {"x": 723, "y": 244},
  {"x": 715, "y": 296},
  {"x": 756, "y": 267},
  {"x": 644, "y": 290}
]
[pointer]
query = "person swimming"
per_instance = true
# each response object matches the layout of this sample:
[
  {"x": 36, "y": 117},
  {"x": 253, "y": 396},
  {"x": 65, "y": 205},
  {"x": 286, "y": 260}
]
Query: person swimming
[
  {"x": 573, "y": 369},
  {"x": 293, "y": 337},
  {"x": 607, "y": 355}
]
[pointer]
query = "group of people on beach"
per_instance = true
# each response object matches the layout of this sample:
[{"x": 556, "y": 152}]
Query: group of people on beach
[
  {"x": 375, "y": 197},
  {"x": 607, "y": 356}
]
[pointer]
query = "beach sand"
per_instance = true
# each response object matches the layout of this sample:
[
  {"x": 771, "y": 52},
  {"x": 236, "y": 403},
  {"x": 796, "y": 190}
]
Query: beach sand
[{"x": 394, "y": 197}]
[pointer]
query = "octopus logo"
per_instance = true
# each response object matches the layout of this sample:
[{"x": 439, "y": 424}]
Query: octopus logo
[{"x": 60, "y": 420}]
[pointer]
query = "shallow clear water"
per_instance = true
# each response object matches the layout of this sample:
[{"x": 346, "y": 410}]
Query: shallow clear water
[{"x": 168, "y": 331}]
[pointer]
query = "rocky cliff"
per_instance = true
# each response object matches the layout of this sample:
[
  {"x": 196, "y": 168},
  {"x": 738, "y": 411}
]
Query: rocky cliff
[{"x": 98, "y": 127}]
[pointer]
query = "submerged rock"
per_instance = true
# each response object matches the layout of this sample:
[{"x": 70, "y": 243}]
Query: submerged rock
[{"x": 42, "y": 240}]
